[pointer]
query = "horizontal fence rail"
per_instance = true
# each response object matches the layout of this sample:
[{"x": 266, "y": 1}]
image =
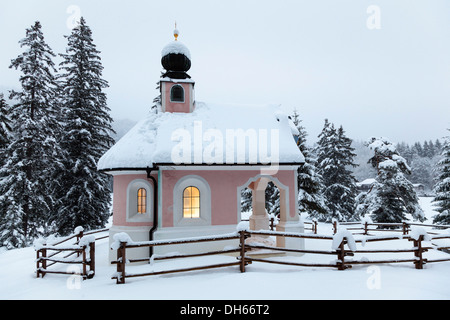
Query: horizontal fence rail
[{"x": 123, "y": 242}]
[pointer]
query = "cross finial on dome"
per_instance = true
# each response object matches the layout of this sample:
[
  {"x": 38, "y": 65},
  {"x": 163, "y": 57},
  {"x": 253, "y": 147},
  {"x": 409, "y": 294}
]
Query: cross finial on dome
[{"x": 175, "y": 32}]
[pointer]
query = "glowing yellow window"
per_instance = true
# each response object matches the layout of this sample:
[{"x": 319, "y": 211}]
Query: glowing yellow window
[
  {"x": 142, "y": 201},
  {"x": 191, "y": 203}
]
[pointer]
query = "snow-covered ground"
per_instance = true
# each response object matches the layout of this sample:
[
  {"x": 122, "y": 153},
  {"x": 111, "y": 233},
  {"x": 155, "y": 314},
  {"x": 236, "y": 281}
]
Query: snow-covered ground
[{"x": 260, "y": 281}]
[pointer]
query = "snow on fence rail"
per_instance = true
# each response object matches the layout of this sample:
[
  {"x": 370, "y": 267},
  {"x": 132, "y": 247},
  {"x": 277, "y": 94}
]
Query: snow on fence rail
[
  {"x": 404, "y": 227},
  {"x": 340, "y": 240},
  {"x": 122, "y": 242},
  {"x": 83, "y": 248}
]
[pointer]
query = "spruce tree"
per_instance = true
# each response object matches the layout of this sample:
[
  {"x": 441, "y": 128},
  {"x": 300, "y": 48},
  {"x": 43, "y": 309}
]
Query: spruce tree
[
  {"x": 5, "y": 138},
  {"x": 438, "y": 146},
  {"x": 272, "y": 194},
  {"x": 246, "y": 200},
  {"x": 442, "y": 187},
  {"x": 33, "y": 152},
  {"x": 156, "y": 107},
  {"x": 84, "y": 198},
  {"x": 392, "y": 196},
  {"x": 309, "y": 181},
  {"x": 5, "y": 128},
  {"x": 335, "y": 157}
]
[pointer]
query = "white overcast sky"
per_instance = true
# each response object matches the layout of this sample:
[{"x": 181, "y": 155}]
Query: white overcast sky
[{"x": 317, "y": 56}]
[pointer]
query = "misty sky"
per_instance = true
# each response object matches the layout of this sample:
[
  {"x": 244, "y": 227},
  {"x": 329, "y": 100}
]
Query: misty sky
[{"x": 319, "y": 56}]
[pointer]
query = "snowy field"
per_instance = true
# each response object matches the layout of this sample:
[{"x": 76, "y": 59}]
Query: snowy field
[{"x": 259, "y": 282}]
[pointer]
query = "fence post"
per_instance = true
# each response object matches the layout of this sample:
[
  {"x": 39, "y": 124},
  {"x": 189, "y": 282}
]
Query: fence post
[
  {"x": 92, "y": 260},
  {"x": 405, "y": 228},
  {"x": 341, "y": 256},
  {"x": 334, "y": 226},
  {"x": 79, "y": 236},
  {"x": 38, "y": 263},
  {"x": 242, "y": 245},
  {"x": 366, "y": 228},
  {"x": 84, "y": 262},
  {"x": 418, "y": 252},
  {"x": 42, "y": 262},
  {"x": 121, "y": 260},
  {"x": 315, "y": 226}
]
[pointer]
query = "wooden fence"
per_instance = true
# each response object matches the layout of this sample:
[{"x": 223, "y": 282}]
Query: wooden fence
[
  {"x": 121, "y": 261},
  {"x": 273, "y": 221},
  {"x": 345, "y": 247},
  {"x": 313, "y": 224},
  {"x": 81, "y": 252}
]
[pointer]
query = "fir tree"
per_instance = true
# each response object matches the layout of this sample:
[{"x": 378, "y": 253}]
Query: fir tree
[
  {"x": 392, "y": 196},
  {"x": 421, "y": 172},
  {"x": 427, "y": 150},
  {"x": 33, "y": 152},
  {"x": 246, "y": 200},
  {"x": 5, "y": 138},
  {"x": 418, "y": 149},
  {"x": 272, "y": 199},
  {"x": 5, "y": 127},
  {"x": 157, "y": 100},
  {"x": 335, "y": 157},
  {"x": 438, "y": 146},
  {"x": 309, "y": 181},
  {"x": 85, "y": 196},
  {"x": 442, "y": 188}
]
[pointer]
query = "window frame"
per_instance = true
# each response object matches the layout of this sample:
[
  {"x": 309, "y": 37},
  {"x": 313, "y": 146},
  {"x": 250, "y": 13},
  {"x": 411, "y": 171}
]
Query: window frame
[
  {"x": 141, "y": 201},
  {"x": 205, "y": 202},
  {"x": 183, "y": 94},
  {"x": 132, "y": 214},
  {"x": 191, "y": 206}
]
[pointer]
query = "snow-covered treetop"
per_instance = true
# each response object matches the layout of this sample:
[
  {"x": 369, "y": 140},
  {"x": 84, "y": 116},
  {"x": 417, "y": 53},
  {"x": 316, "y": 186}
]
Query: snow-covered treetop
[
  {"x": 386, "y": 155},
  {"x": 381, "y": 145}
]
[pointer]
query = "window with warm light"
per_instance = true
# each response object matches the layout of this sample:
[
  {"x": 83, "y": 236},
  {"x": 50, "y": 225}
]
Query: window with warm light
[
  {"x": 142, "y": 201},
  {"x": 191, "y": 203}
]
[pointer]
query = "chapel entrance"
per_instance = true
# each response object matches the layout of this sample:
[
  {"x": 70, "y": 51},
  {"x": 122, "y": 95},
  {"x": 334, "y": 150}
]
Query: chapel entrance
[{"x": 259, "y": 218}]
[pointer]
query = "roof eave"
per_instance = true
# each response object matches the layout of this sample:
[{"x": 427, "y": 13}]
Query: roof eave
[{"x": 156, "y": 166}]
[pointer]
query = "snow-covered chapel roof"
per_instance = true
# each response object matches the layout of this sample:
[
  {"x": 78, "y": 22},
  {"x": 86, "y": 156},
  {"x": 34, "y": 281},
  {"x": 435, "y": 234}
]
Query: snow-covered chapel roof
[{"x": 211, "y": 134}]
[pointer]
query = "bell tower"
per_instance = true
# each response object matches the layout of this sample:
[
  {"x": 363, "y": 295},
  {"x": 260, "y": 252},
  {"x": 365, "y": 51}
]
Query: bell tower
[{"x": 177, "y": 87}]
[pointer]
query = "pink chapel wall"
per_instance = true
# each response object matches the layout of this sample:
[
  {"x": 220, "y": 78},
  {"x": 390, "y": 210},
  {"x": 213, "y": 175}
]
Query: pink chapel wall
[
  {"x": 121, "y": 183},
  {"x": 224, "y": 196}
]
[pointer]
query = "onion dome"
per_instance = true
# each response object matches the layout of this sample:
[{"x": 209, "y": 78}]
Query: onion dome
[{"x": 176, "y": 59}]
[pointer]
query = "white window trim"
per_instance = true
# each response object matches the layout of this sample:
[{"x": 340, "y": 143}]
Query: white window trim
[
  {"x": 205, "y": 202},
  {"x": 132, "y": 191}
]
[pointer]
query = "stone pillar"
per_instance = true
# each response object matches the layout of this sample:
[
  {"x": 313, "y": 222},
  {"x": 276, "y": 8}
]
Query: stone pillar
[
  {"x": 289, "y": 222},
  {"x": 259, "y": 220}
]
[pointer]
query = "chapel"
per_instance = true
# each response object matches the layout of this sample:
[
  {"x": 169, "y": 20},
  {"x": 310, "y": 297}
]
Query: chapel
[{"x": 180, "y": 171}]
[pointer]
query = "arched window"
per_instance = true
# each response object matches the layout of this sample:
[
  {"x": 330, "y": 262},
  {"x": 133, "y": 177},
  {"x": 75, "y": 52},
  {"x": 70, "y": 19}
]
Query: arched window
[
  {"x": 142, "y": 201},
  {"x": 139, "y": 201},
  {"x": 177, "y": 93},
  {"x": 191, "y": 203}
]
